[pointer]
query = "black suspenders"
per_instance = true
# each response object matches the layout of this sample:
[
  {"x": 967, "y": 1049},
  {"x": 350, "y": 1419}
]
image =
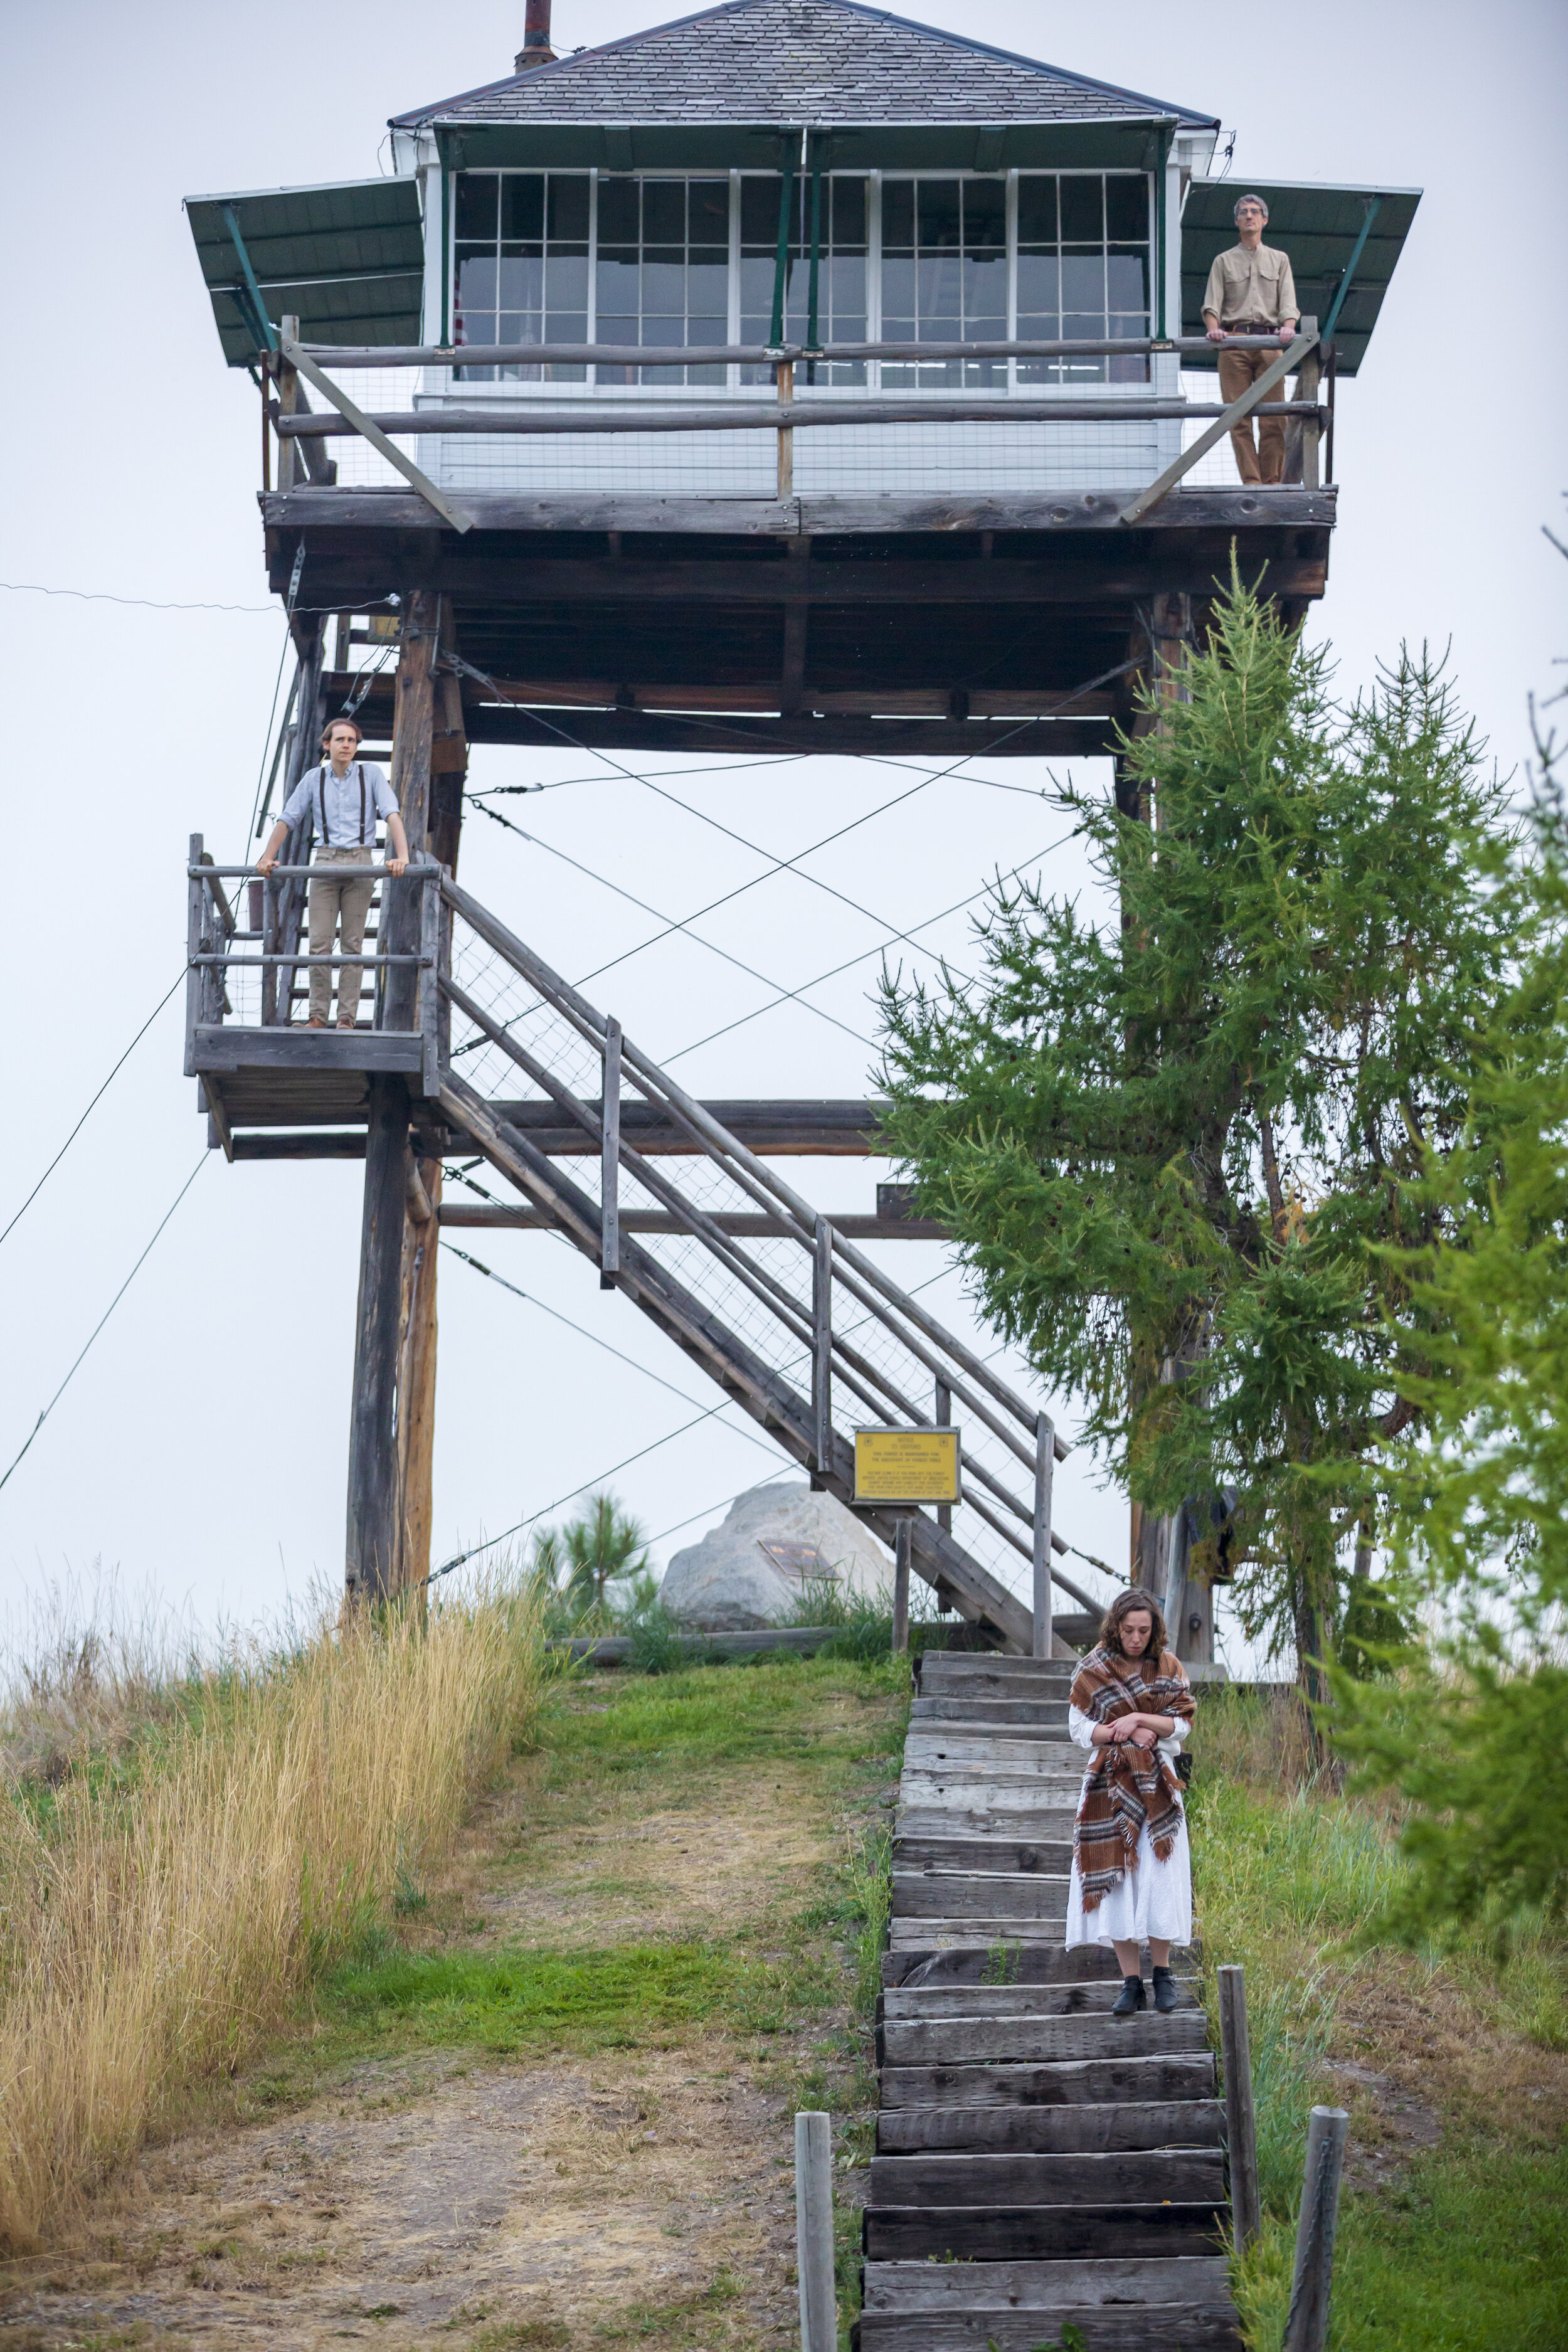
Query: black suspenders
[{"x": 321, "y": 798}]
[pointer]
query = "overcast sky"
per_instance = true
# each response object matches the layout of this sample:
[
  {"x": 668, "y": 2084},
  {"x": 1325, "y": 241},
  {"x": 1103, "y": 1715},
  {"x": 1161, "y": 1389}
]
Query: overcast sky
[{"x": 200, "y": 1450}]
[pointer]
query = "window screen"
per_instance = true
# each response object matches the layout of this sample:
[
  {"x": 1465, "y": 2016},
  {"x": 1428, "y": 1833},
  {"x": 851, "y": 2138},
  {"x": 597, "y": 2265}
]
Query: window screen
[
  {"x": 944, "y": 274},
  {"x": 663, "y": 271}
]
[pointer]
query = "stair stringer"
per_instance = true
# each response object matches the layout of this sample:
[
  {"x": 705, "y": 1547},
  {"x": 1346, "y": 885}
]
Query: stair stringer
[{"x": 780, "y": 1410}]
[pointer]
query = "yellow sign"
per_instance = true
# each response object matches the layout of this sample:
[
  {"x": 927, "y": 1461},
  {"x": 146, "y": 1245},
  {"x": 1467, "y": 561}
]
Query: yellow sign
[{"x": 907, "y": 1465}]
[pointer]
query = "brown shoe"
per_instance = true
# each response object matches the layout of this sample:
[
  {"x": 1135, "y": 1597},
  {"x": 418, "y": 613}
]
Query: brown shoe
[
  {"x": 348, "y": 1025},
  {"x": 315, "y": 1024}
]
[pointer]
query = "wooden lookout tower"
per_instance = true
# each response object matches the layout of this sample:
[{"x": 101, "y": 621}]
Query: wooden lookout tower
[{"x": 790, "y": 376}]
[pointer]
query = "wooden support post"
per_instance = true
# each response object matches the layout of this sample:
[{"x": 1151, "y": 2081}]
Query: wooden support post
[
  {"x": 373, "y": 1548},
  {"x": 196, "y": 973},
  {"x": 822, "y": 1345},
  {"x": 1241, "y": 2121},
  {"x": 288, "y": 403},
  {"x": 1045, "y": 1459},
  {"x": 1307, "y": 384},
  {"x": 783, "y": 375},
  {"x": 414, "y": 706},
  {"x": 903, "y": 1546},
  {"x": 943, "y": 1416},
  {"x": 610, "y": 1161},
  {"x": 814, "y": 2232},
  {"x": 416, "y": 1378},
  {"x": 1307, "y": 2325},
  {"x": 796, "y": 620}
]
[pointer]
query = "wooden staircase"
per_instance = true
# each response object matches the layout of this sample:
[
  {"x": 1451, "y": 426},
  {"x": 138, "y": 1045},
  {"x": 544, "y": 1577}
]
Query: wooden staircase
[{"x": 1039, "y": 2163}]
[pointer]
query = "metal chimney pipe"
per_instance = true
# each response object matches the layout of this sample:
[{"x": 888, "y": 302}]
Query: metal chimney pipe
[{"x": 536, "y": 50}]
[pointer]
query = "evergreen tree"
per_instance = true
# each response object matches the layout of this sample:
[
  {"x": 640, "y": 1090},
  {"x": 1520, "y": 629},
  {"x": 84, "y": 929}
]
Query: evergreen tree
[{"x": 1171, "y": 1144}]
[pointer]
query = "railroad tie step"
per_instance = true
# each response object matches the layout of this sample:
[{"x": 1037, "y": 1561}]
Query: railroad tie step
[
  {"x": 997, "y": 2233},
  {"x": 979, "y": 2041},
  {"x": 1135, "y": 2176},
  {"x": 1116, "y": 2305},
  {"x": 1130, "y": 2077},
  {"x": 1087, "y": 2127}
]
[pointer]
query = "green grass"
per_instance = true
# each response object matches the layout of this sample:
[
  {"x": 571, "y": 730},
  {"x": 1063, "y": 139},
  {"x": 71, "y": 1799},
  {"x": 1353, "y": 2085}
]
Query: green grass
[{"x": 1466, "y": 2251}]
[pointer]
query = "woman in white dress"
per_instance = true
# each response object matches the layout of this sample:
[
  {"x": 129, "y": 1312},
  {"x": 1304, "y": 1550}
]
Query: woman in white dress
[{"x": 1131, "y": 1706}]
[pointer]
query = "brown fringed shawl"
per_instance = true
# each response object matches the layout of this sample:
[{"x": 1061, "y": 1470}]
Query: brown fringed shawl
[{"x": 1126, "y": 1786}]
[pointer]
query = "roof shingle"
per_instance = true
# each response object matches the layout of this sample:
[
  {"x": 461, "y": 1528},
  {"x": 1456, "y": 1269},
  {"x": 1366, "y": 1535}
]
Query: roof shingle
[{"x": 798, "y": 62}]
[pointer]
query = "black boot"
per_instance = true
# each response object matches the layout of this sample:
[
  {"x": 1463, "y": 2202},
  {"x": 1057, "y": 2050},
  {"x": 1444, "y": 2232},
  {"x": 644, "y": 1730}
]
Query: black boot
[
  {"x": 1165, "y": 1991},
  {"x": 1129, "y": 2000}
]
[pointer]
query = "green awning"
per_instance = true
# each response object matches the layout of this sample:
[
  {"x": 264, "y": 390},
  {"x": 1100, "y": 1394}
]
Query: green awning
[
  {"x": 347, "y": 260},
  {"x": 1318, "y": 227}
]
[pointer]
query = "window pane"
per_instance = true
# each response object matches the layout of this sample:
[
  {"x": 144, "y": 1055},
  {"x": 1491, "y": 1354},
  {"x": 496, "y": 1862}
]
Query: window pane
[
  {"x": 618, "y": 276},
  {"x": 663, "y": 288},
  {"x": 708, "y": 289},
  {"x": 986, "y": 215},
  {"x": 1037, "y": 209},
  {"x": 985, "y": 291},
  {"x": 568, "y": 282},
  {"x": 522, "y": 205},
  {"x": 477, "y": 281},
  {"x": 848, "y": 211},
  {"x": 1126, "y": 281},
  {"x": 476, "y": 212},
  {"x": 519, "y": 284},
  {"x": 941, "y": 284},
  {"x": 1039, "y": 282},
  {"x": 760, "y": 209},
  {"x": 899, "y": 288},
  {"x": 1083, "y": 284},
  {"x": 664, "y": 212},
  {"x": 757, "y": 284},
  {"x": 938, "y": 202},
  {"x": 1126, "y": 206},
  {"x": 709, "y": 202},
  {"x": 617, "y": 212},
  {"x": 616, "y": 327},
  {"x": 1083, "y": 209},
  {"x": 569, "y": 206},
  {"x": 898, "y": 216}
]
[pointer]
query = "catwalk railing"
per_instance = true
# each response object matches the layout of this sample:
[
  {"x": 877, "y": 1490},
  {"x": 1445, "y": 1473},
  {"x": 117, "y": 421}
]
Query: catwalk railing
[
  {"x": 794, "y": 1321},
  {"x": 594, "y": 409}
]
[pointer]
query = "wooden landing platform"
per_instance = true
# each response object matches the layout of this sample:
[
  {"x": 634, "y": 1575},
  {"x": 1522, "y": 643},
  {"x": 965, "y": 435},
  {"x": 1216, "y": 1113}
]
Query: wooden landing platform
[{"x": 1040, "y": 2165}]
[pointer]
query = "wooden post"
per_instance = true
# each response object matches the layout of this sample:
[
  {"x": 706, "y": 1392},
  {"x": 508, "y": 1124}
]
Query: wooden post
[
  {"x": 1307, "y": 384},
  {"x": 944, "y": 1419},
  {"x": 196, "y": 973},
  {"x": 784, "y": 376},
  {"x": 1045, "y": 1461},
  {"x": 610, "y": 1161},
  {"x": 288, "y": 401},
  {"x": 1241, "y": 2122},
  {"x": 416, "y": 1378},
  {"x": 814, "y": 2232},
  {"x": 373, "y": 1552},
  {"x": 822, "y": 1345},
  {"x": 1307, "y": 2326},
  {"x": 903, "y": 1545},
  {"x": 414, "y": 706}
]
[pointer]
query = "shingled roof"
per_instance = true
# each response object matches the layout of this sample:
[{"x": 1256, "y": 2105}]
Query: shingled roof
[{"x": 798, "y": 62}]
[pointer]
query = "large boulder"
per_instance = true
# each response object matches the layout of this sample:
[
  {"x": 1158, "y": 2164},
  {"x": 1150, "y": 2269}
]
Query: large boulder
[{"x": 775, "y": 1543}]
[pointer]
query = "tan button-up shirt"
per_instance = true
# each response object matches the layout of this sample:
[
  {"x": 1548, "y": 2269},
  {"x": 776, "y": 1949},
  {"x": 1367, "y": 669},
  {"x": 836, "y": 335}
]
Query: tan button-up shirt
[{"x": 1254, "y": 288}]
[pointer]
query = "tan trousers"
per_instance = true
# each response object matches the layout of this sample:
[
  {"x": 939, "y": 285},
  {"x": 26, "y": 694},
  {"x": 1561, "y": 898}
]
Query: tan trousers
[
  {"x": 1266, "y": 463},
  {"x": 331, "y": 902}
]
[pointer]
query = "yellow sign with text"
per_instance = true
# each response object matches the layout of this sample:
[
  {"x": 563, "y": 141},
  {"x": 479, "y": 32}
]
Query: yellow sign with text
[{"x": 907, "y": 1465}]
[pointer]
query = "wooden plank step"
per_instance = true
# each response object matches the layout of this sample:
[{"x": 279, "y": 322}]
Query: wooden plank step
[
  {"x": 1135, "y": 2176},
  {"x": 941, "y": 1933},
  {"x": 992, "y": 1854},
  {"x": 1012, "y": 2304},
  {"x": 961, "y": 1712},
  {"x": 974, "y": 2041},
  {"x": 961, "y": 1894},
  {"x": 959, "y": 1812},
  {"x": 1041, "y": 2233},
  {"x": 1082, "y": 1999},
  {"x": 1150, "y": 2327},
  {"x": 1056, "y": 2130},
  {"x": 984, "y": 1740},
  {"x": 972, "y": 1963},
  {"x": 977, "y": 1665},
  {"x": 1134, "y": 2077},
  {"x": 999, "y": 1680}
]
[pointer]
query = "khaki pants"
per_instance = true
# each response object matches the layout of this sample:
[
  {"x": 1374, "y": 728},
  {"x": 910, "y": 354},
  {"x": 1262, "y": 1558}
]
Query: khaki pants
[
  {"x": 331, "y": 902},
  {"x": 1266, "y": 463}
]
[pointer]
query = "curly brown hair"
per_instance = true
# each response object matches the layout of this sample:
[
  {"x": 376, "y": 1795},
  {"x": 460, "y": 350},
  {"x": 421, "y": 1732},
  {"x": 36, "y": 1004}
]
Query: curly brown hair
[{"x": 1124, "y": 1606}]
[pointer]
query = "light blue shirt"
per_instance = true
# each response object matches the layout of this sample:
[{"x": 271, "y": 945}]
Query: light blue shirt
[{"x": 345, "y": 807}]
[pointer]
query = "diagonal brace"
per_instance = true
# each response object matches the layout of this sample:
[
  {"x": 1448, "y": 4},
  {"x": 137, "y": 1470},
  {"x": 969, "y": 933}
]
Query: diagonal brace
[
  {"x": 299, "y": 358},
  {"x": 1294, "y": 353}
]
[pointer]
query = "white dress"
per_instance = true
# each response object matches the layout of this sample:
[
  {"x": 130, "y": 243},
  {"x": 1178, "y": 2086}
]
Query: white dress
[{"x": 1155, "y": 1899}]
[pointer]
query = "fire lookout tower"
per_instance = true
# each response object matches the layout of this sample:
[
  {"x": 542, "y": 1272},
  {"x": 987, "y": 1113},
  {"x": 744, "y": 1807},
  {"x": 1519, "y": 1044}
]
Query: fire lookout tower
[{"x": 789, "y": 376}]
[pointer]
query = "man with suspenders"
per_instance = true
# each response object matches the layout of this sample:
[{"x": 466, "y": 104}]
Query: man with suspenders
[{"x": 345, "y": 796}]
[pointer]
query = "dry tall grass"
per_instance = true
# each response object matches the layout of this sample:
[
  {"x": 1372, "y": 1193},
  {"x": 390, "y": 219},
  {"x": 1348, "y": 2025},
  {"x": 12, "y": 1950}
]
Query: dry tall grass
[{"x": 163, "y": 1905}]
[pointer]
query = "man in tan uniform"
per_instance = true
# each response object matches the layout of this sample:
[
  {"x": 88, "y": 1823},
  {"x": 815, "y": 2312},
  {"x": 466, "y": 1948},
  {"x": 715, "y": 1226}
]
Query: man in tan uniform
[{"x": 1251, "y": 292}]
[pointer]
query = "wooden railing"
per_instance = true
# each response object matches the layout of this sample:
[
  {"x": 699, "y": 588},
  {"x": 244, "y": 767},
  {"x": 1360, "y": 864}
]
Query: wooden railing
[{"x": 298, "y": 428}]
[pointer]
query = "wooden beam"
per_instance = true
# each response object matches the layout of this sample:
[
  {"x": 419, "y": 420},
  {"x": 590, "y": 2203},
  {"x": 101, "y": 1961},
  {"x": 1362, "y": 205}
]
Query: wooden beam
[
  {"x": 1214, "y": 506},
  {"x": 374, "y": 1547},
  {"x": 447, "y": 508},
  {"x": 742, "y": 1224},
  {"x": 634, "y": 731},
  {"x": 784, "y": 417},
  {"x": 422, "y": 355},
  {"x": 1253, "y": 397},
  {"x": 416, "y": 1385}
]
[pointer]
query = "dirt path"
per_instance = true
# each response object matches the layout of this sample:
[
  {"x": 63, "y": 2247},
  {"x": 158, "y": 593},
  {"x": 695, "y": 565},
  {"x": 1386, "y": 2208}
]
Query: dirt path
[{"x": 555, "y": 2109}]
